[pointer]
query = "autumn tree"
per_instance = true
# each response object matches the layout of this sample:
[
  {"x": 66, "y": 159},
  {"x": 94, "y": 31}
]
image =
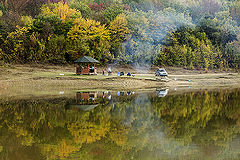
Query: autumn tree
[
  {"x": 119, "y": 33},
  {"x": 95, "y": 35},
  {"x": 190, "y": 48},
  {"x": 232, "y": 53}
]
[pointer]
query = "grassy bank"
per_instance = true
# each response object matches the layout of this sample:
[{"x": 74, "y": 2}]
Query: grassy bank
[{"x": 46, "y": 79}]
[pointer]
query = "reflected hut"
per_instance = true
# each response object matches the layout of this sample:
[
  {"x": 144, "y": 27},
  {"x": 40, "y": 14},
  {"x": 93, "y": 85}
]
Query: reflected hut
[
  {"x": 86, "y": 66},
  {"x": 86, "y": 100},
  {"x": 86, "y": 97}
]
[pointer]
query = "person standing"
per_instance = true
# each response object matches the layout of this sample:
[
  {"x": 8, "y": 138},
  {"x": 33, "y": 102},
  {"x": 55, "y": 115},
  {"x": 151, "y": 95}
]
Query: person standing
[
  {"x": 103, "y": 71},
  {"x": 109, "y": 71}
]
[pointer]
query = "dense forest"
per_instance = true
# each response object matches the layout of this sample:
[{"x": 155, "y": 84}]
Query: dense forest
[{"x": 188, "y": 33}]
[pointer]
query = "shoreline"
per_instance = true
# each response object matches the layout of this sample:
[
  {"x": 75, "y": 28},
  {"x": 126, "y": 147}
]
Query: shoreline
[{"x": 24, "y": 79}]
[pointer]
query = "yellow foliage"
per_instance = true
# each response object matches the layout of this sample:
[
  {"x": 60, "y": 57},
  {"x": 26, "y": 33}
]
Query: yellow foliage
[
  {"x": 19, "y": 32},
  {"x": 27, "y": 20},
  {"x": 15, "y": 39},
  {"x": 65, "y": 149},
  {"x": 21, "y": 131},
  {"x": 28, "y": 140},
  {"x": 61, "y": 10},
  {"x": 60, "y": 151},
  {"x": 33, "y": 124},
  {"x": 119, "y": 29},
  {"x": 88, "y": 132},
  {"x": 88, "y": 29},
  {"x": 238, "y": 122},
  {"x": 119, "y": 135}
]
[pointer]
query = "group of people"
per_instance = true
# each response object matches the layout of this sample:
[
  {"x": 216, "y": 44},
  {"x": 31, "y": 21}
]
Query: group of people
[{"x": 108, "y": 70}]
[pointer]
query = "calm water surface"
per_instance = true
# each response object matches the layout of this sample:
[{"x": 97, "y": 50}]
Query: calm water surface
[{"x": 122, "y": 125}]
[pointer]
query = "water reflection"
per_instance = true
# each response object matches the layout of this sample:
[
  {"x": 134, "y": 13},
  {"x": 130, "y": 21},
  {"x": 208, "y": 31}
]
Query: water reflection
[
  {"x": 123, "y": 125},
  {"x": 162, "y": 92},
  {"x": 85, "y": 101}
]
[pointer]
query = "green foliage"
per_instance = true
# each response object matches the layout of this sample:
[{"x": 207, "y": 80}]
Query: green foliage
[
  {"x": 232, "y": 53},
  {"x": 2, "y": 8},
  {"x": 82, "y": 7},
  {"x": 27, "y": 20},
  {"x": 189, "y": 48},
  {"x": 56, "y": 49},
  {"x": 221, "y": 30},
  {"x": 112, "y": 12},
  {"x": 118, "y": 32},
  {"x": 128, "y": 32},
  {"x": 59, "y": 16},
  {"x": 14, "y": 45},
  {"x": 148, "y": 31},
  {"x": 235, "y": 11}
]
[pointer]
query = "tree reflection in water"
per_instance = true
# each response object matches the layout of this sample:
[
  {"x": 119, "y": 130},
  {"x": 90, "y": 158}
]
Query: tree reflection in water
[{"x": 196, "y": 125}]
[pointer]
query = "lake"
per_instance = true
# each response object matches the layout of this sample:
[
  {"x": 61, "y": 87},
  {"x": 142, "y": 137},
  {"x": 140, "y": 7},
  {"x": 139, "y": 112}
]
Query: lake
[{"x": 142, "y": 124}]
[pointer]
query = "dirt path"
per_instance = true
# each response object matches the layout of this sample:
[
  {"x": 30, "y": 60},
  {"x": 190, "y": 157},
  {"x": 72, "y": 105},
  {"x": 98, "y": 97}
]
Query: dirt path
[{"x": 18, "y": 79}]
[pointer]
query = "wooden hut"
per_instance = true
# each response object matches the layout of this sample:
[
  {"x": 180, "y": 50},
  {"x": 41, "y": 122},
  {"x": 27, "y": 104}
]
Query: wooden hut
[{"x": 86, "y": 65}]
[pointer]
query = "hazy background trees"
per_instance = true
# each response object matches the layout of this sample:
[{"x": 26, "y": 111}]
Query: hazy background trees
[{"x": 192, "y": 34}]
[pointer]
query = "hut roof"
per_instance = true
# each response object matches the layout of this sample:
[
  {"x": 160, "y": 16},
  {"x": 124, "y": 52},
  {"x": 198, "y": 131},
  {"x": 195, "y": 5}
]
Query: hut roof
[{"x": 86, "y": 59}]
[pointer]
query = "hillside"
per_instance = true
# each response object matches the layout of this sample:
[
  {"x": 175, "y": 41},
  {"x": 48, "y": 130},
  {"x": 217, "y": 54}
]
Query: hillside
[{"x": 200, "y": 34}]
